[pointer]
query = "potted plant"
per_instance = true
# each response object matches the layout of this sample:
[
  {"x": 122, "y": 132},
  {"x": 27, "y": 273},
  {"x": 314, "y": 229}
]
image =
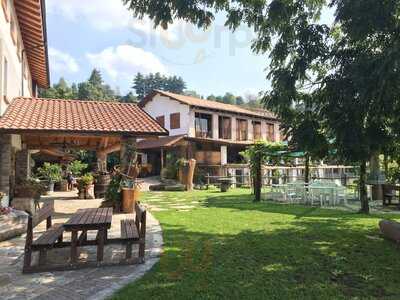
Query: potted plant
[
  {"x": 85, "y": 183},
  {"x": 130, "y": 194},
  {"x": 113, "y": 196},
  {"x": 76, "y": 167},
  {"x": 51, "y": 173}
]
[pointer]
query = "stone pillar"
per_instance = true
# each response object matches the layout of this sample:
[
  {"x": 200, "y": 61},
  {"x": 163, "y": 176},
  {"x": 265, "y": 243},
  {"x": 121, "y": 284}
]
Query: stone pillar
[
  {"x": 263, "y": 130},
  {"x": 128, "y": 152},
  {"x": 250, "y": 130},
  {"x": 215, "y": 126},
  {"x": 22, "y": 165},
  {"x": 5, "y": 167},
  {"x": 233, "y": 126},
  {"x": 101, "y": 162}
]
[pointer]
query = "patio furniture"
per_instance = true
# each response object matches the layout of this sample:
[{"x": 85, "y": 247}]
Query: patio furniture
[
  {"x": 298, "y": 189},
  {"x": 292, "y": 194},
  {"x": 133, "y": 231},
  {"x": 99, "y": 219},
  {"x": 341, "y": 194},
  {"x": 389, "y": 192},
  {"x": 89, "y": 219},
  {"x": 322, "y": 194},
  {"x": 277, "y": 192},
  {"x": 49, "y": 239}
]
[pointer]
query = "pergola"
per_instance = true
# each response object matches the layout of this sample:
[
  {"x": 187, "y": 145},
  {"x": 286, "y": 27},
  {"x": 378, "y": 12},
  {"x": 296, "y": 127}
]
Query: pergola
[{"x": 54, "y": 124}]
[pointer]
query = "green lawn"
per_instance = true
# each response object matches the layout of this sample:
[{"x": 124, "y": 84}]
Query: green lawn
[{"x": 225, "y": 246}]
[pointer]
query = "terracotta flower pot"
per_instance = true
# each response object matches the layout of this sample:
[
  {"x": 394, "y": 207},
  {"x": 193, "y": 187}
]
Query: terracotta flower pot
[{"x": 129, "y": 198}]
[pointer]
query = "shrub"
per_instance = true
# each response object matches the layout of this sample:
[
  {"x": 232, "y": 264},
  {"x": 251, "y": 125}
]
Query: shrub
[
  {"x": 50, "y": 172},
  {"x": 76, "y": 167},
  {"x": 169, "y": 172},
  {"x": 85, "y": 180},
  {"x": 113, "y": 193}
]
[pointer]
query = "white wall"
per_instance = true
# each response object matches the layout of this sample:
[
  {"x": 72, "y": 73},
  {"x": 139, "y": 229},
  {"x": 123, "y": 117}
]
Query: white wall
[
  {"x": 164, "y": 106},
  {"x": 8, "y": 50},
  {"x": 224, "y": 155}
]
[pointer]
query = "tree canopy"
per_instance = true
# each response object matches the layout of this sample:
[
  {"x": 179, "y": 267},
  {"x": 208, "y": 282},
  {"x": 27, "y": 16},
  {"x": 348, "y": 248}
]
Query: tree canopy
[
  {"x": 144, "y": 84},
  {"x": 92, "y": 89}
]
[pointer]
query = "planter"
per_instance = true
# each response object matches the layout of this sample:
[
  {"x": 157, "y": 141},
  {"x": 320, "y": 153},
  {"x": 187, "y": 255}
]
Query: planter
[
  {"x": 64, "y": 185},
  {"x": 50, "y": 187},
  {"x": 129, "y": 198},
  {"x": 225, "y": 184},
  {"x": 81, "y": 194},
  {"x": 86, "y": 192}
]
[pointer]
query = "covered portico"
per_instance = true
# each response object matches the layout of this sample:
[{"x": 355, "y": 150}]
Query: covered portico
[{"x": 32, "y": 124}]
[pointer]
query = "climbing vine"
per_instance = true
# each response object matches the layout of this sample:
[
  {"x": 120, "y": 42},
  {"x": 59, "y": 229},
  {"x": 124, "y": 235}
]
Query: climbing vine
[{"x": 259, "y": 154}]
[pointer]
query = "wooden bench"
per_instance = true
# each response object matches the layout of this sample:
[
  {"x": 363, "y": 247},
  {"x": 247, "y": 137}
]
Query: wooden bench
[
  {"x": 52, "y": 236},
  {"x": 133, "y": 231}
]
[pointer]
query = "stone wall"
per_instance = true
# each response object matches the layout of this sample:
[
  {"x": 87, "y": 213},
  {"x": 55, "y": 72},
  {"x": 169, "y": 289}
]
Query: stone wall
[
  {"x": 22, "y": 168},
  {"x": 5, "y": 163}
]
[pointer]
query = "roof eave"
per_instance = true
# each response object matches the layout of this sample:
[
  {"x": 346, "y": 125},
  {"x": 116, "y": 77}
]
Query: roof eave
[{"x": 80, "y": 132}]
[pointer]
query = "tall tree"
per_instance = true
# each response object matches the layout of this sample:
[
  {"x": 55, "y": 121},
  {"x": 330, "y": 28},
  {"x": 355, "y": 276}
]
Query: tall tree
[
  {"x": 59, "y": 90},
  {"x": 92, "y": 89},
  {"x": 144, "y": 84},
  {"x": 95, "y": 89}
]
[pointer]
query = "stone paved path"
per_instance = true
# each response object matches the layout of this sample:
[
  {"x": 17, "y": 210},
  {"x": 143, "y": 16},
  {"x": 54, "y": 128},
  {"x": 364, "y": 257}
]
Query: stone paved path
[{"x": 96, "y": 283}]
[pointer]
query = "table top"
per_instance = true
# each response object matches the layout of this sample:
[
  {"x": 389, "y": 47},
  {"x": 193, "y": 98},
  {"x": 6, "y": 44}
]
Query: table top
[{"x": 90, "y": 218}]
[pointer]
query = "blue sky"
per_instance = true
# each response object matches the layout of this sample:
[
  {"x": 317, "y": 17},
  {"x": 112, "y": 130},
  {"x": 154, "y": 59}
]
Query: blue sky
[{"x": 82, "y": 36}]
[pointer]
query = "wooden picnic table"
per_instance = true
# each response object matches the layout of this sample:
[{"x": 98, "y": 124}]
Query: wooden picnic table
[{"x": 89, "y": 219}]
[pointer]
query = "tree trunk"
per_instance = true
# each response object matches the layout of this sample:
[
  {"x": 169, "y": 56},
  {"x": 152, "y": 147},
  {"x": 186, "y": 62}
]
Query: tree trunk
[
  {"x": 363, "y": 188},
  {"x": 377, "y": 192},
  {"x": 257, "y": 180},
  {"x": 307, "y": 169},
  {"x": 386, "y": 164}
]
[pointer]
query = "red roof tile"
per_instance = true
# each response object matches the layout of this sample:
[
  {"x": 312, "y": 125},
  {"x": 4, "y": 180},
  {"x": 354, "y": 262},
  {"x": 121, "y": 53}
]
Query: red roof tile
[
  {"x": 208, "y": 104},
  {"x": 77, "y": 116}
]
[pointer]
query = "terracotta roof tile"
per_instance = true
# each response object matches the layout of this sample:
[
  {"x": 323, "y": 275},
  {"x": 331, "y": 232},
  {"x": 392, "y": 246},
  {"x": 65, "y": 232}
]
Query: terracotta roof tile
[
  {"x": 77, "y": 116},
  {"x": 208, "y": 104}
]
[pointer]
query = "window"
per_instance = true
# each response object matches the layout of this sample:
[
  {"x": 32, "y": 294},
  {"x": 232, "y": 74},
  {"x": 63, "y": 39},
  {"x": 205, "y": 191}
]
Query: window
[
  {"x": 5, "y": 79},
  {"x": 4, "y": 4},
  {"x": 161, "y": 120},
  {"x": 175, "y": 120},
  {"x": 270, "y": 132},
  {"x": 256, "y": 130},
  {"x": 225, "y": 127},
  {"x": 241, "y": 130},
  {"x": 203, "y": 125}
]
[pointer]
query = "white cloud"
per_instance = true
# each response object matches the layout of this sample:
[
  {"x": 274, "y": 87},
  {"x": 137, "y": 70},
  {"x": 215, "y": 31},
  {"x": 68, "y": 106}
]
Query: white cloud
[
  {"x": 62, "y": 62},
  {"x": 124, "y": 61},
  {"x": 105, "y": 15}
]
